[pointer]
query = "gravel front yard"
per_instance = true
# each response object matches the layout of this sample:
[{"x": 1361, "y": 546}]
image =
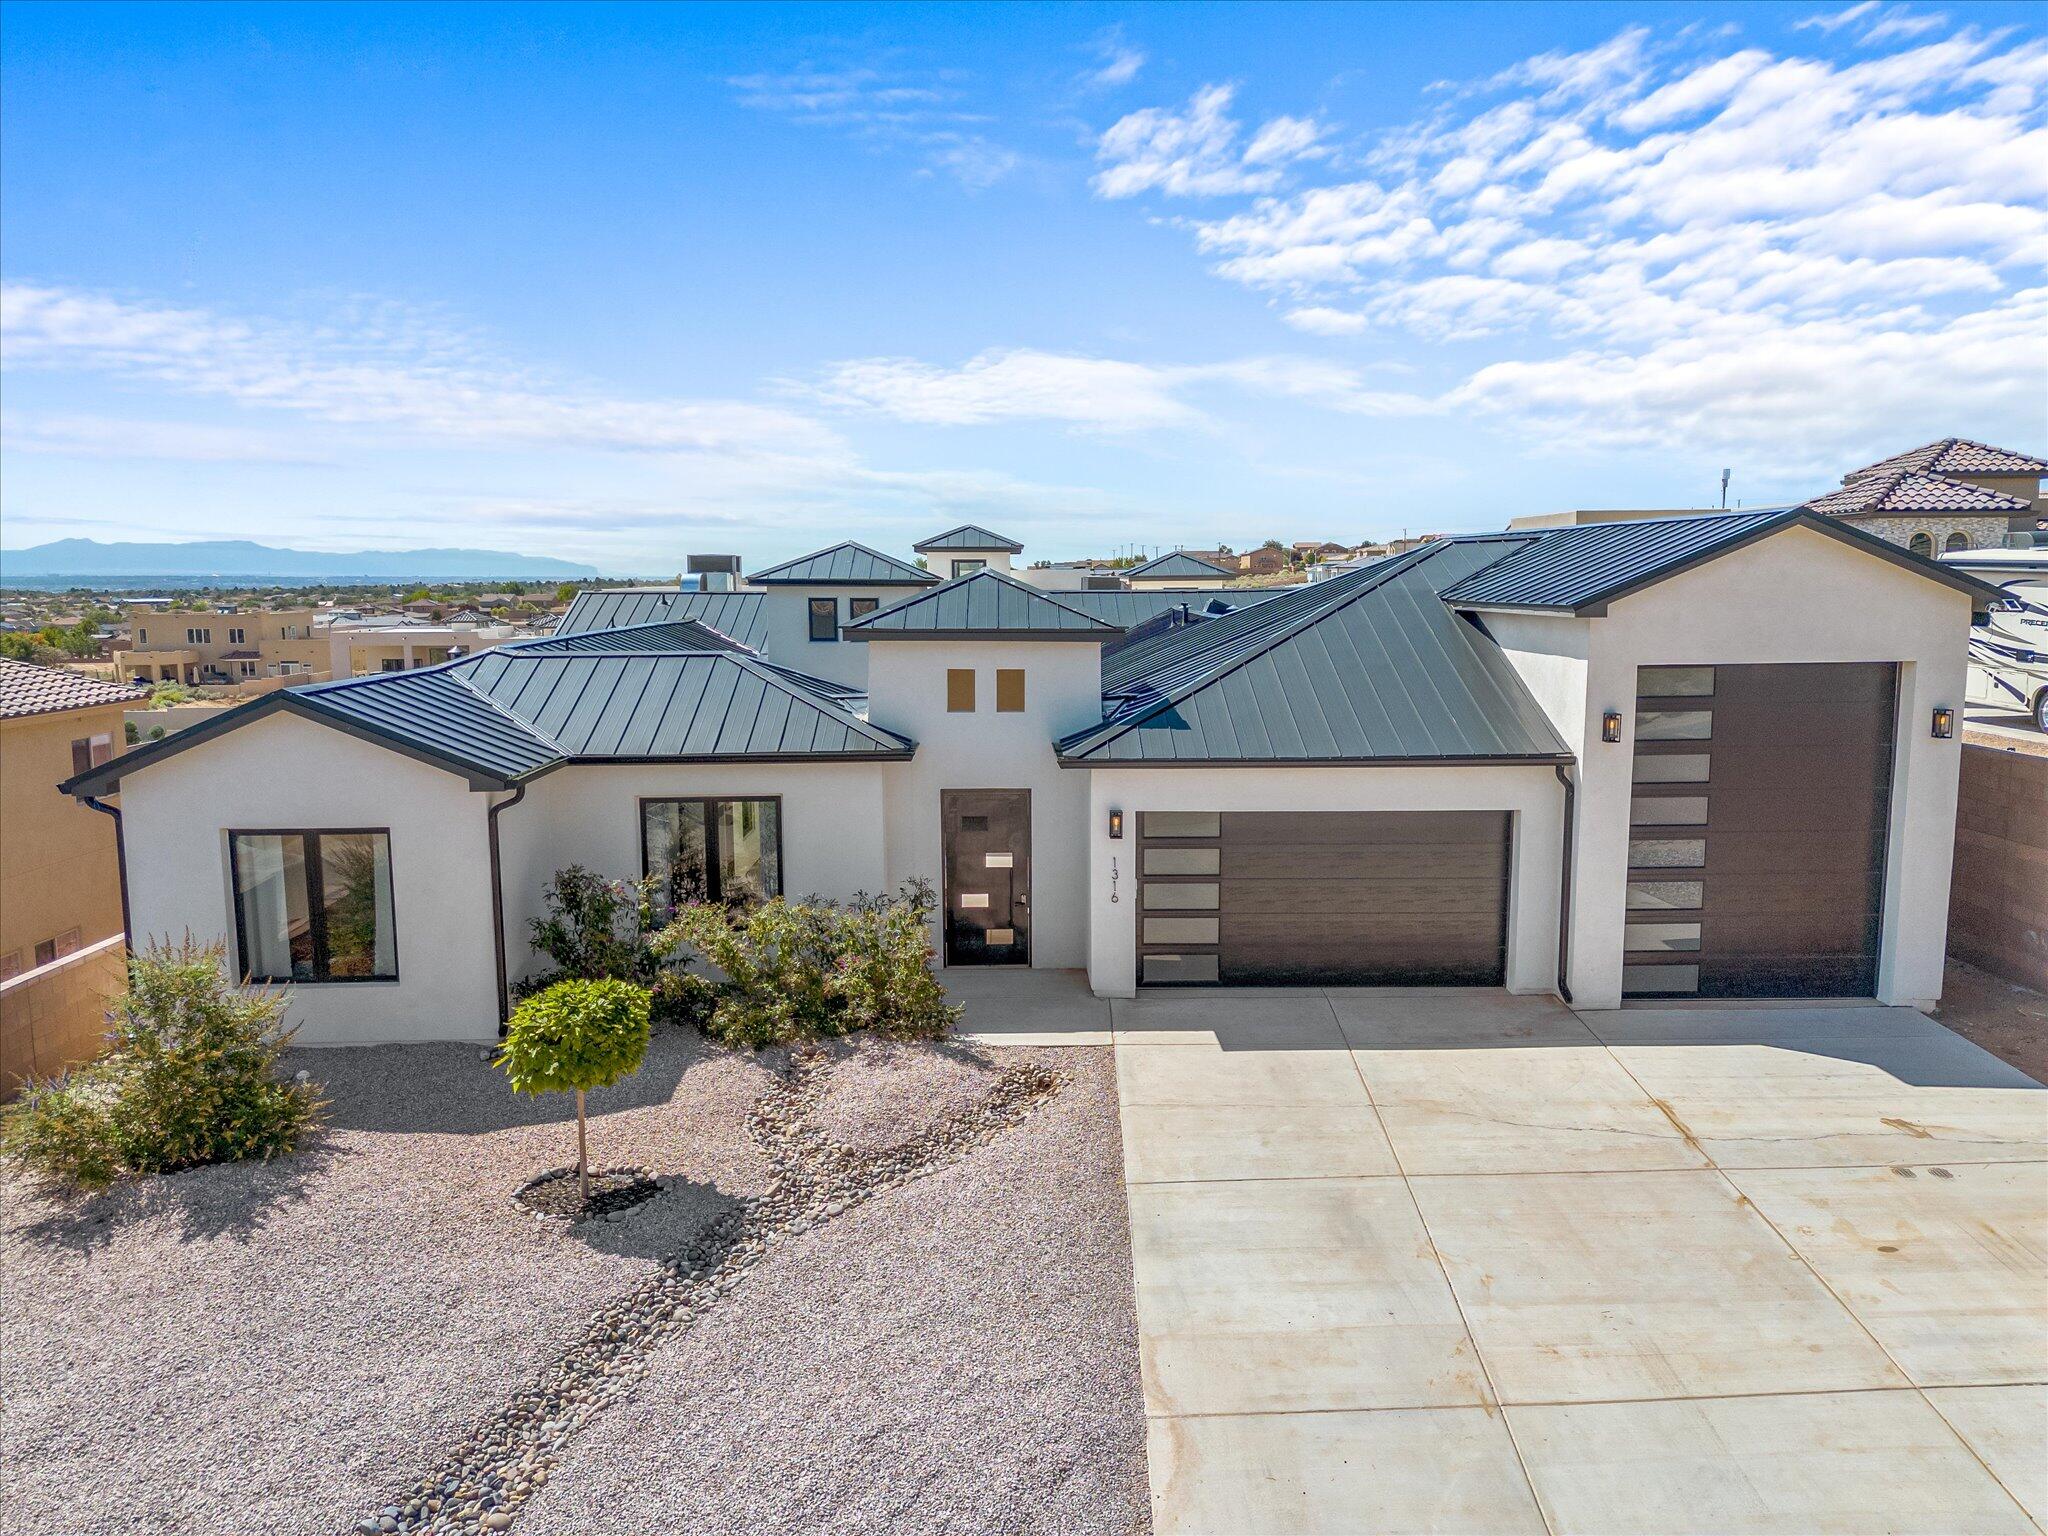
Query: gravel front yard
[{"x": 287, "y": 1348}]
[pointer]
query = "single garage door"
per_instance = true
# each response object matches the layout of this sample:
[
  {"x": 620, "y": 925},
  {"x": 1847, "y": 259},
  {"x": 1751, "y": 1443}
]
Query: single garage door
[
  {"x": 1757, "y": 831},
  {"x": 1308, "y": 898}
]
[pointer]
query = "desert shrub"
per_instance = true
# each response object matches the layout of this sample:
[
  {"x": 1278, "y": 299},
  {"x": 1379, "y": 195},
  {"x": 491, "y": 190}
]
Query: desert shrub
[
  {"x": 190, "y": 1077},
  {"x": 790, "y": 971},
  {"x": 682, "y": 998},
  {"x": 575, "y": 1036},
  {"x": 594, "y": 929}
]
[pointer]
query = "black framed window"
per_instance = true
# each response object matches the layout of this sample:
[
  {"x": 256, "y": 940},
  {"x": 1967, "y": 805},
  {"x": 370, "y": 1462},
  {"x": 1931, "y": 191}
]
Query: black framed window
[
  {"x": 968, "y": 567},
  {"x": 712, "y": 850},
  {"x": 861, "y": 607},
  {"x": 314, "y": 906},
  {"x": 824, "y": 618}
]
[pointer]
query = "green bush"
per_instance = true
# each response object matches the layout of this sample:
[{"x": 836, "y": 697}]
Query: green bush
[
  {"x": 682, "y": 998},
  {"x": 594, "y": 929},
  {"x": 575, "y": 1036},
  {"x": 190, "y": 1077},
  {"x": 791, "y": 971}
]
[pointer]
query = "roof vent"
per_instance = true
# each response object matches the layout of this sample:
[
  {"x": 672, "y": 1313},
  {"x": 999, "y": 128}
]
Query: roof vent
[{"x": 714, "y": 573}]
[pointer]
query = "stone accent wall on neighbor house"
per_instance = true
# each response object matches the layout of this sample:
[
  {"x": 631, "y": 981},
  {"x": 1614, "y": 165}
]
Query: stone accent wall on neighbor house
[{"x": 1982, "y": 532}]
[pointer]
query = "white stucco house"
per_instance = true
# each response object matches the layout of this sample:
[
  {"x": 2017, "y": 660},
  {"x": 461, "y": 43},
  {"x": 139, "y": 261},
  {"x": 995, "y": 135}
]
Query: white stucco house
[{"x": 1711, "y": 756}]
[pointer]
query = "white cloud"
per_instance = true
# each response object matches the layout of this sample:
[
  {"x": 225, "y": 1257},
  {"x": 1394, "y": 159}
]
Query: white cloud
[
  {"x": 930, "y": 115},
  {"x": 1834, "y": 21},
  {"x": 1194, "y": 152},
  {"x": 1673, "y": 238},
  {"x": 401, "y": 377},
  {"x": 106, "y": 437},
  {"x": 1090, "y": 393},
  {"x": 1120, "y": 61}
]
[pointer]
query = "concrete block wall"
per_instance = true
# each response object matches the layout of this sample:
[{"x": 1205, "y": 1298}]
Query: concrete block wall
[{"x": 1998, "y": 897}]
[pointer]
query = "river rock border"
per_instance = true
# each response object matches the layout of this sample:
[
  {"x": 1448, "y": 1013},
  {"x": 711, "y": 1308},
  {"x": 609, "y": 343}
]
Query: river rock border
[{"x": 504, "y": 1458}]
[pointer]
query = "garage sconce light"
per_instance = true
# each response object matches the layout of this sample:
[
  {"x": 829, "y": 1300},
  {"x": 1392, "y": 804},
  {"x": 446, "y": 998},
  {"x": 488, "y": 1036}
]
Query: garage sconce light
[
  {"x": 1944, "y": 722},
  {"x": 1116, "y": 826},
  {"x": 1610, "y": 725}
]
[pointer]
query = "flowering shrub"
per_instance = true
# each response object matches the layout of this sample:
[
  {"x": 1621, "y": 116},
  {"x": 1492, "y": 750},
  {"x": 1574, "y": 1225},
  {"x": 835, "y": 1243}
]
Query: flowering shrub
[{"x": 790, "y": 971}]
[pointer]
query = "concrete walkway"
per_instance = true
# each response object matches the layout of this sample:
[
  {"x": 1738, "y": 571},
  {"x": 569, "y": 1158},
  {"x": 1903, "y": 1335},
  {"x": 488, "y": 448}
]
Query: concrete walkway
[{"x": 1456, "y": 1261}]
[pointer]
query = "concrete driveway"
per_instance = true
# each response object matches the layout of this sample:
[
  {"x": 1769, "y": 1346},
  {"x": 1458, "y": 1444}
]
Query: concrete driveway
[{"x": 1457, "y": 1261}]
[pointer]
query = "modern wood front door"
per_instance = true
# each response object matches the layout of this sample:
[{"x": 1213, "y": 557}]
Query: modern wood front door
[
  {"x": 988, "y": 876},
  {"x": 1757, "y": 830}
]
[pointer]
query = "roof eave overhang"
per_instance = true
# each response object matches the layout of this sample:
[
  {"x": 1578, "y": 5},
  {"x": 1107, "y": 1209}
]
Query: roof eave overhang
[
  {"x": 1099, "y": 636},
  {"x": 838, "y": 581},
  {"x": 888, "y": 755},
  {"x": 1513, "y": 760},
  {"x": 107, "y": 778}
]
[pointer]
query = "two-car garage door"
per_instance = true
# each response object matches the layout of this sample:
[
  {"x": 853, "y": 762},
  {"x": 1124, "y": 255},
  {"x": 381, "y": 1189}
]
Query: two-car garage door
[{"x": 1306, "y": 898}]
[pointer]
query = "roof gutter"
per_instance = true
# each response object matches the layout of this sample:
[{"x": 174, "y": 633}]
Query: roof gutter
[
  {"x": 120, "y": 863},
  {"x": 1564, "y": 895},
  {"x": 497, "y": 903}
]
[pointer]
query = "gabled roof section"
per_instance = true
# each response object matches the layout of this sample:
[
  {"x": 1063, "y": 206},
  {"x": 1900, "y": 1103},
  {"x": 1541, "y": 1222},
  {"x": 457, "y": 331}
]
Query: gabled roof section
[
  {"x": 1177, "y": 564},
  {"x": 1912, "y": 490},
  {"x": 969, "y": 537},
  {"x": 1954, "y": 456},
  {"x": 845, "y": 565},
  {"x": 1374, "y": 670},
  {"x": 27, "y": 689},
  {"x": 1581, "y": 570},
  {"x": 660, "y": 692},
  {"x": 703, "y": 705},
  {"x": 1130, "y": 609},
  {"x": 739, "y": 615},
  {"x": 984, "y": 606}
]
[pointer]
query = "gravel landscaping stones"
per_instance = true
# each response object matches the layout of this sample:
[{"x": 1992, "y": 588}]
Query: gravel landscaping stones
[
  {"x": 280, "y": 1347},
  {"x": 559, "y": 1192}
]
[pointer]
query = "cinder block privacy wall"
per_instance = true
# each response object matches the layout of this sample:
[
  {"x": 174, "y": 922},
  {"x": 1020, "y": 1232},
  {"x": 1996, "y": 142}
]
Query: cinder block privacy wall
[{"x": 1998, "y": 899}]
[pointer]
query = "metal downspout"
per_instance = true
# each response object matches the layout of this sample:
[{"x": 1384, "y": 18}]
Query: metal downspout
[
  {"x": 498, "y": 906},
  {"x": 1564, "y": 895},
  {"x": 120, "y": 864}
]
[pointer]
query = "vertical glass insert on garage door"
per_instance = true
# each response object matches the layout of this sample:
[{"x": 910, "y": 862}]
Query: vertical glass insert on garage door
[
  {"x": 1363, "y": 898},
  {"x": 1758, "y": 813}
]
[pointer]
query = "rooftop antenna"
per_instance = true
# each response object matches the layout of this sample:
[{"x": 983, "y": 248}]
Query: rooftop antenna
[{"x": 1724, "y": 490}]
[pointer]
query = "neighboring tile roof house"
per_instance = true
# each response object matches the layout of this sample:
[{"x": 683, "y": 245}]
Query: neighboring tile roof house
[
  {"x": 1581, "y": 569},
  {"x": 1910, "y": 490},
  {"x": 984, "y": 606},
  {"x": 845, "y": 565},
  {"x": 1954, "y": 456},
  {"x": 27, "y": 689},
  {"x": 1369, "y": 666},
  {"x": 970, "y": 537},
  {"x": 1179, "y": 563}
]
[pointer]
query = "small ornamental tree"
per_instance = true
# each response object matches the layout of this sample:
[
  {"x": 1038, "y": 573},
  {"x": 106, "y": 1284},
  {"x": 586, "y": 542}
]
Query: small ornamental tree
[{"x": 575, "y": 1036}]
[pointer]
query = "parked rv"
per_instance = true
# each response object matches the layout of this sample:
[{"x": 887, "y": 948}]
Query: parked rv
[{"x": 2009, "y": 649}]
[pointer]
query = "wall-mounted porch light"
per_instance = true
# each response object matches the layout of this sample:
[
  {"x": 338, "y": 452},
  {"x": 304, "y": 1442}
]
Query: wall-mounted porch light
[
  {"x": 1116, "y": 825},
  {"x": 1944, "y": 722},
  {"x": 1610, "y": 725}
]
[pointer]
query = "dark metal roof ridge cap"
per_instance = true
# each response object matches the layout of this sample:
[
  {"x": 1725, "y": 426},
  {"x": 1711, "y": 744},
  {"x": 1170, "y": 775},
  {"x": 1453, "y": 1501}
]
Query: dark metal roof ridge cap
[
  {"x": 1370, "y": 579},
  {"x": 831, "y": 707},
  {"x": 1459, "y": 760},
  {"x": 902, "y": 752},
  {"x": 1097, "y": 628},
  {"x": 1097, "y": 636},
  {"x": 920, "y": 578},
  {"x": 540, "y": 642},
  {"x": 107, "y": 777},
  {"x": 938, "y": 540}
]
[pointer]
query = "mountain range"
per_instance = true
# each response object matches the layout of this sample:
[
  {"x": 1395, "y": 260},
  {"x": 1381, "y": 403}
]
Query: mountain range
[{"x": 243, "y": 562}]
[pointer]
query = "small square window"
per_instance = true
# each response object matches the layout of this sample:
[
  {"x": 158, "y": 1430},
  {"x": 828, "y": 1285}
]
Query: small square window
[
  {"x": 861, "y": 607},
  {"x": 824, "y": 618},
  {"x": 1009, "y": 690},
  {"x": 959, "y": 690}
]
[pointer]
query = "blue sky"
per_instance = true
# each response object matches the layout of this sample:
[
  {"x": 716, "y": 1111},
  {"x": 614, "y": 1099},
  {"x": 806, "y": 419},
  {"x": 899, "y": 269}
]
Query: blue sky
[{"x": 616, "y": 283}]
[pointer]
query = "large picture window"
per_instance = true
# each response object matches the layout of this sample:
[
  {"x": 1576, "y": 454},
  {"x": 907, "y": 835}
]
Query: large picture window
[
  {"x": 314, "y": 906},
  {"x": 712, "y": 850}
]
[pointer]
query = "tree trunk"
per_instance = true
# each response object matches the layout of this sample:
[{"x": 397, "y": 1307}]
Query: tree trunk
[{"x": 582, "y": 1153}]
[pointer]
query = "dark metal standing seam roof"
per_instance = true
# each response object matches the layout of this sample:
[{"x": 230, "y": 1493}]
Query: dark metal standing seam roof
[
  {"x": 984, "y": 606},
  {"x": 741, "y": 615},
  {"x": 1385, "y": 674},
  {"x": 1130, "y": 609},
  {"x": 969, "y": 537},
  {"x": 1177, "y": 564},
  {"x": 846, "y": 565},
  {"x": 1581, "y": 570},
  {"x": 659, "y": 637}
]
